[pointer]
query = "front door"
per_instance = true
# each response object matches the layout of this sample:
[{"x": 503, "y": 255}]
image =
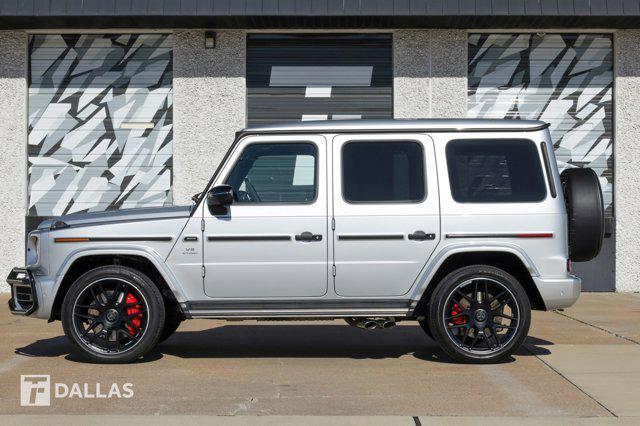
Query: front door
[
  {"x": 386, "y": 211},
  {"x": 272, "y": 241}
]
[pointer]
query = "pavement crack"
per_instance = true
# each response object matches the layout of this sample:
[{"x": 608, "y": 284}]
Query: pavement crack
[
  {"x": 570, "y": 381},
  {"x": 613, "y": 333}
]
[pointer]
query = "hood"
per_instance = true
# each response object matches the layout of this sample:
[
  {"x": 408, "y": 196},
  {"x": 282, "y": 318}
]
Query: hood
[{"x": 127, "y": 215}]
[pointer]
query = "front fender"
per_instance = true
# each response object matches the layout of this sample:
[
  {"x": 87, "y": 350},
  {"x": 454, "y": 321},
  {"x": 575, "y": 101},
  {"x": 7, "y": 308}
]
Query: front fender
[
  {"x": 427, "y": 274},
  {"x": 154, "y": 257}
]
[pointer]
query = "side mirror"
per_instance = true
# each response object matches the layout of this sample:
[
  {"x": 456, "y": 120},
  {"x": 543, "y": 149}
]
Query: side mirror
[{"x": 220, "y": 196}]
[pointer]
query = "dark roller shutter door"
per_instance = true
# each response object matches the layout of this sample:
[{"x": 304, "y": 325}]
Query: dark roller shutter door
[{"x": 297, "y": 77}]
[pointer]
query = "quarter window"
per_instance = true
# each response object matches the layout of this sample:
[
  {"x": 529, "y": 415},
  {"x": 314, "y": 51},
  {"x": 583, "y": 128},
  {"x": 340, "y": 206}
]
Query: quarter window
[
  {"x": 275, "y": 173},
  {"x": 495, "y": 171},
  {"x": 379, "y": 172}
]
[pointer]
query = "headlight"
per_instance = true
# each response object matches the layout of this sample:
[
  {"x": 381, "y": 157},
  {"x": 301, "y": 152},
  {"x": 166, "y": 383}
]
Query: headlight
[{"x": 33, "y": 250}]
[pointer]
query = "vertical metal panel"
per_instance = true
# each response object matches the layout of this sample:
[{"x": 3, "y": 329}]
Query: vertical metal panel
[
  {"x": 500, "y": 7},
  {"x": 565, "y": 7},
  {"x": 631, "y": 6},
  {"x": 100, "y": 122},
  {"x": 532, "y": 7},
  {"x": 516, "y": 7},
  {"x": 614, "y": 7},
  {"x": 549, "y": 7},
  {"x": 291, "y": 77}
]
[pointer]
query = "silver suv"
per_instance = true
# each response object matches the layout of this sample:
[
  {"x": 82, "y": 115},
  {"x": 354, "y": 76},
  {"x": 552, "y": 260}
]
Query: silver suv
[{"x": 461, "y": 225}]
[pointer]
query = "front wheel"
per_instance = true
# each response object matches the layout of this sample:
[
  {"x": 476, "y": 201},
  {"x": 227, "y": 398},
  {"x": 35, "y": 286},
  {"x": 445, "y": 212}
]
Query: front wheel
[
  {"x": 479, "y": 314},
  {"x": 113, "y": 314}
]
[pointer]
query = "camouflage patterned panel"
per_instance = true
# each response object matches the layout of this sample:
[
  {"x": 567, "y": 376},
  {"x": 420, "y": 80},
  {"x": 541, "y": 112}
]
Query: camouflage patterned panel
[
  {"x": 563, "y": 79},
  {"x": 100, "y": 122}
]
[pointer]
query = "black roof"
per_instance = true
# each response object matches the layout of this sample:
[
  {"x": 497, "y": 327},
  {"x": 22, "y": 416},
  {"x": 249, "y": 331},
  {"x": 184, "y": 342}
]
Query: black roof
[{"x": 319, "y": 13}]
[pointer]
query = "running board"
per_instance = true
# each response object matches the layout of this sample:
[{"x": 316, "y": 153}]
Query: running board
[{"x": 297, "y": 309}]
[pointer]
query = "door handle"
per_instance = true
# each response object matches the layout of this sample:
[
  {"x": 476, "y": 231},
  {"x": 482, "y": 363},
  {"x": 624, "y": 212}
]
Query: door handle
[
  {"x": 308, "y": 237},
  {"x": 421, "y": 236}
]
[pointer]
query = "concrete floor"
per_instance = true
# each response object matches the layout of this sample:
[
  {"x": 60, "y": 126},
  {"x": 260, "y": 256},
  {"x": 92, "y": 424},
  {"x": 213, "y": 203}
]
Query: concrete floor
[{"x": 582, "y": 364}]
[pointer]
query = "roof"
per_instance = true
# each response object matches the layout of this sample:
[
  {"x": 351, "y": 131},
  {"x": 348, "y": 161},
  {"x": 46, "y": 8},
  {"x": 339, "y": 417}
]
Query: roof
[
  {"x": 319, "y": 13},
  {"x": 424, "y": 125}
]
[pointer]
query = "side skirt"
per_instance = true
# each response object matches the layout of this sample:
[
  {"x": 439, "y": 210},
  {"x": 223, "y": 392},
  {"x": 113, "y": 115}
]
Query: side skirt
[{"x": 297, "y": 308}]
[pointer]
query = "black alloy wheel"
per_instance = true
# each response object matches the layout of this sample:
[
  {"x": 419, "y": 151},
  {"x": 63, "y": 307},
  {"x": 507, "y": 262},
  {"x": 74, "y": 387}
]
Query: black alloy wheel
[
  {"x": 113, "y": 314},
  {"x": 480, "y": 314}
]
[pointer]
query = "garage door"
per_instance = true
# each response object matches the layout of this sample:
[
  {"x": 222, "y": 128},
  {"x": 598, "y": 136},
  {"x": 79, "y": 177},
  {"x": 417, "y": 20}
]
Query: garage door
[
  {"x": 565, "y": 80},
  {"x": 100, "y": 123},
  {"x": 293, "y": 77}
]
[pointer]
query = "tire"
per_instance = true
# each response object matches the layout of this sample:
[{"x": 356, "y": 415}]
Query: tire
[
  {"x": 585, "y": 211},
  {"x": 467, "y": 330},
  {"x": 113, "y": 314},
  {"x": 170, "y": 327},
  {"x": 424, "y": 325}
]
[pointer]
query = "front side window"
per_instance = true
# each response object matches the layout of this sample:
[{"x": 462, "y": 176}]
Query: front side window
[
  {"x": 275, "y": 173},
  {"x": 382, "y": 172},
  {"x": 495, "y": 171}
]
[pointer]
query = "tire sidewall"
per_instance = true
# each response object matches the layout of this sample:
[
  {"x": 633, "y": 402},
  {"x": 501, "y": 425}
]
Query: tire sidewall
[
  {"x": 436, "y": 310},
  {"x": 155, "y": 312}
]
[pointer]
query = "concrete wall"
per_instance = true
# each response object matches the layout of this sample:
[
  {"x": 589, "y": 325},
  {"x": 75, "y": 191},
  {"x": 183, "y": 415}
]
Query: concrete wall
[
  {"x": 209, "y": 106},
  {"x": 430, "y": 73},
  {"x": 13, "y": 128},
  {"x": 627, "y": 154}
]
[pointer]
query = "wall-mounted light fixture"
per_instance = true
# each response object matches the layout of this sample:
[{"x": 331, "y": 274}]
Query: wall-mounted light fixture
[{"x": 210, "y": 40}]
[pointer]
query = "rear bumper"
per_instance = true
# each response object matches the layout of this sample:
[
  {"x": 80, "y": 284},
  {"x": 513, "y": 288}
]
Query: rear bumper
[
  {"x": 559, "y": 292},
  {"x": 24, "y": 300}
]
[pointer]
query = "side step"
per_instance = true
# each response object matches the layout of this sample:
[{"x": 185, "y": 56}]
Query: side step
[{"x": 321, "y": 309}]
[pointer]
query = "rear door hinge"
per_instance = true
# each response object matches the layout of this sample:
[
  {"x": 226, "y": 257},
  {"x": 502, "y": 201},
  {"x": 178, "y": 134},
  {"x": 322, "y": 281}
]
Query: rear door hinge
[
  {"x": 333, "y": 224},
  {"x": 204, "y": 271},
  {"x": 202, "y": 225},
  {"x": 333, "y": 270}
]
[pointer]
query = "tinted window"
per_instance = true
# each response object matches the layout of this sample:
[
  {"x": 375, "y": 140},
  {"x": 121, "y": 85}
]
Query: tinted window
[
  {"x": 275, "y": 173},
  {"x": 501, "y": 171},
  {"x": 383, "y": 172}
]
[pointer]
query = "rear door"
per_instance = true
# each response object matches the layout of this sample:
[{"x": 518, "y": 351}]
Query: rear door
[{"x": 385, "y": 210}]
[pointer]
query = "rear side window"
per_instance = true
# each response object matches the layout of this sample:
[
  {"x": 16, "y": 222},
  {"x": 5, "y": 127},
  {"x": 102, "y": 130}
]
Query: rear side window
[
  {"x": 495, "y": 171},
  {"x": 383, "y": 172}
]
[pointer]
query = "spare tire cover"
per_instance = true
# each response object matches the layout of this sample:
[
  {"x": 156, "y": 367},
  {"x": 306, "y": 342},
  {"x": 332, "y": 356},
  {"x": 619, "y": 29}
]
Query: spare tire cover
[{"x": 585, "y": 210}]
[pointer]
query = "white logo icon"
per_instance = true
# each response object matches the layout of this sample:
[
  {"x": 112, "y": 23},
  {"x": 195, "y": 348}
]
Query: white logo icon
[{"x": 35, "y": 390}]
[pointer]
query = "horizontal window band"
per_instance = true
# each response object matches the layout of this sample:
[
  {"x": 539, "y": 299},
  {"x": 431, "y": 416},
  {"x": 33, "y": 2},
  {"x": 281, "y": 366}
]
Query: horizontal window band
[
  {"x": 215, "y": 238},
  {"x": 514, "y": 235},
  {"x": 109, "y": 239},
  {"x": 370, "y": 237}
]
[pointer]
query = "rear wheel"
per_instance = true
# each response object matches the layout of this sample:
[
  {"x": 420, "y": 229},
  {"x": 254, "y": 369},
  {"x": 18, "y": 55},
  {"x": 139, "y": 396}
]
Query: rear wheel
[
  {"x": 479, "y": 314},
  {"x": 113, "y": 314}
]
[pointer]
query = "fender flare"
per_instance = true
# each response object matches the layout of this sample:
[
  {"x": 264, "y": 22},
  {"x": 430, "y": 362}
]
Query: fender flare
[
  {"x": 151, "y": 255},
  {"x": 430, "y": 270}
]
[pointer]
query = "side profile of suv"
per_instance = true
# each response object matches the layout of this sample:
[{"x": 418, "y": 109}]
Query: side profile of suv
[{"x": 464, "y": 226}]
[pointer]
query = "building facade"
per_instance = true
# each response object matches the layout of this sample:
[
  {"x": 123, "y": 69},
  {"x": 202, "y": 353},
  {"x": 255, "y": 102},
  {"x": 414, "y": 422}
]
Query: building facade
[{"x": 118, "y": 104}]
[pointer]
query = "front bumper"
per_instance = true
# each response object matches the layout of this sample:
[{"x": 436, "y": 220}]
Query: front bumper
[
  {"x": 24, "y": 300},
  {"x": 559, "y": 292}
]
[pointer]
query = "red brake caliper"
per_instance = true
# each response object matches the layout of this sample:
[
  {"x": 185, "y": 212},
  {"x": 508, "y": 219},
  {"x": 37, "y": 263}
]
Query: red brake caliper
[
  {"x": 132, "y": 310},
  {"x": 456, "y": 310}
]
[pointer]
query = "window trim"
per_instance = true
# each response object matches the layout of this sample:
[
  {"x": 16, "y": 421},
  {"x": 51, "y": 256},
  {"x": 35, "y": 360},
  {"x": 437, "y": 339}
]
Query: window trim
[
  {"x": 316, "y": 177},
  {"x": 535, "y": 149},
  {"x": 374, "y": 203},
  {"x": 547, "y": 167}
]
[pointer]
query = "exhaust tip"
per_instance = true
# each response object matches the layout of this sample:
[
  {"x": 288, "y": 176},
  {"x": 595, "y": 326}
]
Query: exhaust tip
[
  {"x": 370, "y": 325},
  {"x": 388, "y": 324}
]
